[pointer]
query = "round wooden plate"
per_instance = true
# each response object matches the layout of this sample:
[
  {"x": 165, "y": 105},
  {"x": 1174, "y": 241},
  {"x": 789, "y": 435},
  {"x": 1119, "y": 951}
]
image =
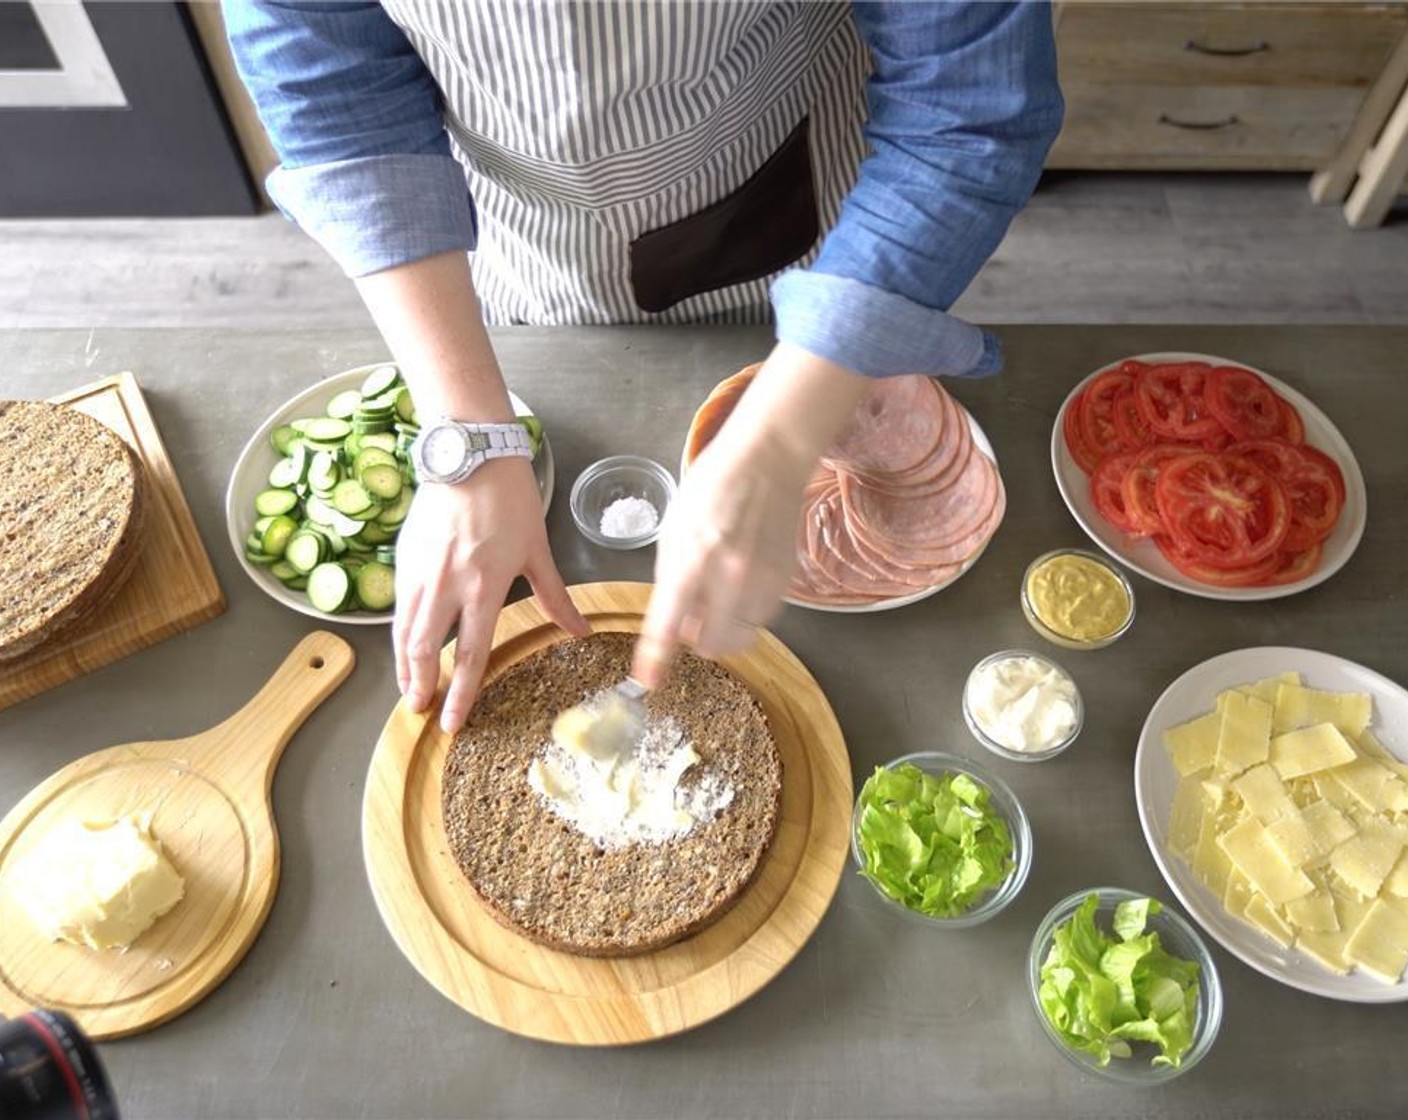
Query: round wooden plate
[{"x": 509, "y": 981}]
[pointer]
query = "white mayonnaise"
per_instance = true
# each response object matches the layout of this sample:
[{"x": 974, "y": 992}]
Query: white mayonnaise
[{"x": 1022, "y": 703}]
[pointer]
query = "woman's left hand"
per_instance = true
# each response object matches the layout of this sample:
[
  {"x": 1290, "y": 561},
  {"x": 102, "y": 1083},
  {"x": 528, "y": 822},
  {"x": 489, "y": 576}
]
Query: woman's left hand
[{"x": 728, "y": 545}]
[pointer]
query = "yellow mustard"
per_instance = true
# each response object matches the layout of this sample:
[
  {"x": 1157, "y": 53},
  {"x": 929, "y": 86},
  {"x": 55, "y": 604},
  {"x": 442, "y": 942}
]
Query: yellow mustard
[{"x": 1078, "y": 597}]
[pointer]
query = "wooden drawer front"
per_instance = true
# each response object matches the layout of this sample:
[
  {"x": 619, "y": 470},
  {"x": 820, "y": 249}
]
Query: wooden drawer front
[
  {"x": 1225, "y": 44},
  {"x": 1178, "y": 127}
]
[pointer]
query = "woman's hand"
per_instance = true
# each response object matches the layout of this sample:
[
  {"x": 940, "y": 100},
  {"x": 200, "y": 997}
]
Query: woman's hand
[
  {"x": 728, "y": 544},
  {"x": 458, "y": 552}
]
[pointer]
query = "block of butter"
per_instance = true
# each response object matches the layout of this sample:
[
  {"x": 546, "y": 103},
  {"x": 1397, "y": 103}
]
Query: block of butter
[{"x": 97, "y": 883}]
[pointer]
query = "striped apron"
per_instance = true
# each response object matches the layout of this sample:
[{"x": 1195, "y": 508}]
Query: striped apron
[{"x": 594, "y": 134}]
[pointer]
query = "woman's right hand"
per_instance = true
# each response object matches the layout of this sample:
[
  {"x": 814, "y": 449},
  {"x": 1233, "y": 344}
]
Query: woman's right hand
[{"x": 458, "y": 552}]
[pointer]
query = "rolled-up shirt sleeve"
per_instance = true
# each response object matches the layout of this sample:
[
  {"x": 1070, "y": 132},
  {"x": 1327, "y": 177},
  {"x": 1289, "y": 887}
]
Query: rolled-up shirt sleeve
[
  {"x": 358, "y": 124},
  {"x": 964, "y": 105}
]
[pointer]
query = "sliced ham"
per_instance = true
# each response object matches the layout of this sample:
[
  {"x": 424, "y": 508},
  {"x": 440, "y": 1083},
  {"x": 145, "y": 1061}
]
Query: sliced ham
[{"x": 902, "y": 502}]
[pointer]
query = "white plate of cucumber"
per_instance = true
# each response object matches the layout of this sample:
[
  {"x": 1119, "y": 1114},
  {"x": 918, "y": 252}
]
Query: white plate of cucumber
[{"x": 318, "y": 495}]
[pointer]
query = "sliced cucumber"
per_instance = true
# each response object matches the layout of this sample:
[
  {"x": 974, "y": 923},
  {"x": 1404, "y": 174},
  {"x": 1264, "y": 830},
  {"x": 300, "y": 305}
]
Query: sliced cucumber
[
  {"x": 283, "y": 571},
  {"x": 376, "y": 586},
  {"x": 380, "y": 380},
  {"x": 386, "y": 441},
  {"x": 324, "y": 472},
  {"x": 351, "y": 497},
  {"x": 405, "y": 407},
  {"x": 373, "y": 457},
  {"x": 262, "y": 524},
  {"x": 396, "y": 512},
  {"x": 276, "y": 535},
  {"x": 271, "y": 503},
  {"x": 318, "y": 509},
  {"x": 342, "y": 406},
  {"x": 282, "y": 436},
  {"x": 386, "y": 554},
  {"x": 344, "y": 525},
  {"x": 284, "y": 476},
  {"x": 329, "y": 587},
  {"x": 306, "y": 550},
  {"x": 383, "y": 481},
  {"x": 326, "y": 429},
  {"x": 374, "y": 534}
]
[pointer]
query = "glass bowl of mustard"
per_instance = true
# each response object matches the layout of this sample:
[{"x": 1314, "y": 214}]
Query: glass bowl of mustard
[{"x": 1076, "y": 599}]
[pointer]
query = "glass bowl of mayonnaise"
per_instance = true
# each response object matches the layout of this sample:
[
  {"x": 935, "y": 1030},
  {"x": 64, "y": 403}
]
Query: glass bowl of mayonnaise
[
  {"x": 1022, "y": 706},
  {"x": 1076, "y": 599}
]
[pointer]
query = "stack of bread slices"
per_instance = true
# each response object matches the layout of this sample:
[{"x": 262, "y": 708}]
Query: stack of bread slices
[{"x": 71, "y": 512}]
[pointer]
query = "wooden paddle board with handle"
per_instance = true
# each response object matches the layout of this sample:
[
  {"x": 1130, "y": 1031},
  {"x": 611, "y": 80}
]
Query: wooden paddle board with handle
[{"x": 208, "y": 798}]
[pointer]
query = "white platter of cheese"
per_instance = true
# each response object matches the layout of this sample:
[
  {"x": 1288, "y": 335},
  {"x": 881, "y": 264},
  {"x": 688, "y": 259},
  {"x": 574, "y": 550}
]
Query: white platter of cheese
[{"x": 1272, "y": 786}]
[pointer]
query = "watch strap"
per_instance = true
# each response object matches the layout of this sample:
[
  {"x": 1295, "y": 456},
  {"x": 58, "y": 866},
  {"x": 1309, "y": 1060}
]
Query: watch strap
[{"x": 485, "y": 442}]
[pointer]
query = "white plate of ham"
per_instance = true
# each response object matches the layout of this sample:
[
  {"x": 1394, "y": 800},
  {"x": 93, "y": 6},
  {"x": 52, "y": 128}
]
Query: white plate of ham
[{"x": 901, "y": 506}]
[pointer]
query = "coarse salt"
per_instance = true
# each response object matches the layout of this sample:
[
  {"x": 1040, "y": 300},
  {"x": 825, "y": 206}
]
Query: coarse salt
[{"x": 629, "y": 517}]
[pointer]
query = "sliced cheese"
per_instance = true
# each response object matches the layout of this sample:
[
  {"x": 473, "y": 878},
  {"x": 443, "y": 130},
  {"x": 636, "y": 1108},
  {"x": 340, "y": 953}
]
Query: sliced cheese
[
  {"x": 1327, "y": 947},
  {"x": 1266, "y": 689},
  {"x": 1294, "y": 840},
  {"x": 1193, "y": 745},
  {"x": 1314, "y": 913},
  {"x": 1329, "y": 827},
  {"x": 1264, "y": 794},
  {"x": 1371, "y": 783},
  {"x": 1309, "y": 750},
  {"x": 1261, "y": 914},
  {"x": 1364, "y": 861},
  {"x": 1244, "y": 734},
  {"x": 1239, "y": 892},
  {"x": 1380, "y": 942},
  {"x": 1396, "y": 883},
  {"x": 1210, "y": 863},
  {"x": 1332, "y": 790},
  {"x": 1297, "y": 706},
  {"x": 1252, "y": 853},
  {"x": 1185, "y": 818},
  {"x": 1369, "y": 745}
]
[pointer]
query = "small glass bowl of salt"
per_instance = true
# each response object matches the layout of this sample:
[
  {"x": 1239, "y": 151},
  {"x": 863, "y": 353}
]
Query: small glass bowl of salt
[
  {"x": 620, "y": 501},
  {"x": 1022, "y": 706}
]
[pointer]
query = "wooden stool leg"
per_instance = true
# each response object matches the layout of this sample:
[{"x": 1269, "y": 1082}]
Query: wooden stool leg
[
  {"x": 1382, "y": 173},
  {"x": 1330, "y": 185}
]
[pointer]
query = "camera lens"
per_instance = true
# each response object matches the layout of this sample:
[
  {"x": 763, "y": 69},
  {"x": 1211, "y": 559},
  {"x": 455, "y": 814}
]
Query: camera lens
[{"x": 49, "y": 1070}]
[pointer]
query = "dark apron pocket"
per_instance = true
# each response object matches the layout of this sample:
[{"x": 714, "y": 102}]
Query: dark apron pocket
[{"x": 763, "y": 226}]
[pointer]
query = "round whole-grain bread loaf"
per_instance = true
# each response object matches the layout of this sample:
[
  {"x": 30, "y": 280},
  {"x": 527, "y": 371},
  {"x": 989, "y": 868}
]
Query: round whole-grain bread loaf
[
  {"x": 541, "y": 877},
  {"x": 71, "y": 514}
]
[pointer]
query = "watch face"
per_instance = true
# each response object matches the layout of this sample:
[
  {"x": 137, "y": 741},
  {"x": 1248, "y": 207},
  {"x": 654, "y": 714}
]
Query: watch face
[{"x": 444, "y": 450}]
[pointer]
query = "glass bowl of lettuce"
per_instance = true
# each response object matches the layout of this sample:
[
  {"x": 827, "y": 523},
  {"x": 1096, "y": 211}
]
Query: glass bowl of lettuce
[
  {"x": 1124, "y": 987},
  {"x": 941, "y": 839}
]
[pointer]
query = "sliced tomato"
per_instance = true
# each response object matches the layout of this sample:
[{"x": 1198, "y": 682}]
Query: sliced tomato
[
  {"x": 1222, "y": 510},
  {"x": 1292, "y": 426},
  {"x": 1242, "y": 402},
  {"x": 1313, "y": 484},
  {"x": 1250, "y": 575},
  {"x": 1137, "y": 487},
  {"x": 1296, "y": 566},
  {"x": 1107, "y": 493},
  {"x": 1131, "y": 427},
  {"x": 1171, "y": 399},
  {"x": 1084, "y": 455},
  {"x": 1097, "y": 412}
]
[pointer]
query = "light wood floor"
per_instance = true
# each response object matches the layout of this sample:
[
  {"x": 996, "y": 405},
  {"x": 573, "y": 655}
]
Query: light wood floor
[{"x": 1089, "y": 248}]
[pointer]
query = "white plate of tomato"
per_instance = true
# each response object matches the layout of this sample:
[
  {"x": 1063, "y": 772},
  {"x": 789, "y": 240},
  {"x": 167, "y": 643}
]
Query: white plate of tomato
[{"x": 1208, "y": 476}]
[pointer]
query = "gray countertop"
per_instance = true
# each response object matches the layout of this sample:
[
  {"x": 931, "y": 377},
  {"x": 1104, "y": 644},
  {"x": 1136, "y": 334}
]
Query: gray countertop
[{"x": 875, "y": 1017}]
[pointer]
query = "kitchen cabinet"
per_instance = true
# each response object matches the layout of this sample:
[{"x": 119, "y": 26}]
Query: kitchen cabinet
[{"x": 1265, "y": 87}]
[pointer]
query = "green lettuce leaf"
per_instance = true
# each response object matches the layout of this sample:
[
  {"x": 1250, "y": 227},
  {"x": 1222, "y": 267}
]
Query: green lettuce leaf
[
  {"x": 1100, "y": 994},
  {"x": 931, "y": 843}
]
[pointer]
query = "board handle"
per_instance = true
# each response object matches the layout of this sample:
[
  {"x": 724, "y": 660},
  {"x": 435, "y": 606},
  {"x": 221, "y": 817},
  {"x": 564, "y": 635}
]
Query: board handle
[{"x": 257, "y": 734}]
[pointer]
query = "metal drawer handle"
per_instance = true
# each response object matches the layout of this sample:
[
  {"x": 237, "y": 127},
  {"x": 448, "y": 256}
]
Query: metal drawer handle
[
  {"x": 1227, "y": 52},
  {"x": 1199, "y": 126}
]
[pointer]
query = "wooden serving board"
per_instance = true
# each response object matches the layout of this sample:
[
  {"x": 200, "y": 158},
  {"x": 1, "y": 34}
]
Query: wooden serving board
[
  {"x": 173, "y": 585},
  {"x": 523, "y": 987},
  {"x": 208, "y": 796}
]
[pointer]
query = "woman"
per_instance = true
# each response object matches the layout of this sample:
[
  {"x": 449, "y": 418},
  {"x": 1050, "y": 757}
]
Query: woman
[{"x": 647, "y": 162}]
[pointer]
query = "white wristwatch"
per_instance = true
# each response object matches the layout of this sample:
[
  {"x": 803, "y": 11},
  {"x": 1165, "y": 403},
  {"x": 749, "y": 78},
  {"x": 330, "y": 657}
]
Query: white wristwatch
[{"x": 449, "y": 451}]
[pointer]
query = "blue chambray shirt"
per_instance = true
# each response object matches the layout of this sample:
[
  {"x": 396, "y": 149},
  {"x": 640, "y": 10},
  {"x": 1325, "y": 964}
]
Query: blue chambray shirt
[{"x": 964, "y": 104}]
